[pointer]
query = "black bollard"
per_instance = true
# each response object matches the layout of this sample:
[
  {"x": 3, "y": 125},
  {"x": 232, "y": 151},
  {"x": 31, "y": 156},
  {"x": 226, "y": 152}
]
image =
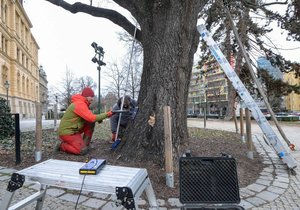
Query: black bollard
[{"x": 17, "y": 138}]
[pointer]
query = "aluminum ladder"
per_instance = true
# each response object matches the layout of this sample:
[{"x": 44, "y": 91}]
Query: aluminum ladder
[{"x": 276, "y": 143}]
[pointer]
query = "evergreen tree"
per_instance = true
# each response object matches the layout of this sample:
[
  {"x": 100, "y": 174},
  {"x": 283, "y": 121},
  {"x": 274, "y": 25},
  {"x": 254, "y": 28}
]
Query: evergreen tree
[
  {"x": 275, "y": 89},
  {"x": 6, "y": 121},
  {"x": 253, "y": 20}
]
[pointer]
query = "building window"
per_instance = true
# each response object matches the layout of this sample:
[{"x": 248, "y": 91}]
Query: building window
[
  {"x": 26, "y": 36},
  {"x": 27, "y": 87},
  {"x": 36, "y": 92},
  {"x": 23, "y": 59},
  {"x": 17, "y": 24},
  {"x": 22, "y": 30},
  {"x": 18, "y": 82},
  {"x": 18, "y": 55},
  {"x": 4, "y": 74},
  {"x": 4, "y": 44},
  {"x": 23, "y": 85},
  {"x": 27, "y": 62},
  {"x": 4, "y": 11}
]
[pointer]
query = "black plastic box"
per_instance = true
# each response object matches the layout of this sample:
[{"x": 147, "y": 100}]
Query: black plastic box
[{"x": 208, "y": 183}]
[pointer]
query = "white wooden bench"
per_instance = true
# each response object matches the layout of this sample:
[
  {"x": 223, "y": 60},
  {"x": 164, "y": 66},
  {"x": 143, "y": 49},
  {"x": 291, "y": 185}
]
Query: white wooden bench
[{"x": 126, "y": 184}]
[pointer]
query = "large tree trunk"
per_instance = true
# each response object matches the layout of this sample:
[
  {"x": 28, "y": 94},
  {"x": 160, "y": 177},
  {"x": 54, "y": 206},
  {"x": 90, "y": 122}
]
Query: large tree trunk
[
  {"x": 229, "y": 54},
  {"x": 169, "y": 43}
]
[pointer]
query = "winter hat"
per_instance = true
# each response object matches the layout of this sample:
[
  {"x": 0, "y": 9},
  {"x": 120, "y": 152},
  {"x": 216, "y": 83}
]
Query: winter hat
[{"x": 87, "y": 92}]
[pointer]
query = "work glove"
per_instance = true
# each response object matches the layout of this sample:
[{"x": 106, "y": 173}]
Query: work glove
[
  {"x": 109, "y": 114},
  {"x": 113, "y": 136},
  {"x": 120, "y": 111}
]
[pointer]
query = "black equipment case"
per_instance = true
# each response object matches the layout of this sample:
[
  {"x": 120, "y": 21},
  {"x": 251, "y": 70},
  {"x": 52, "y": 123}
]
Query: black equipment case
[{"x": 209, "y": 183}]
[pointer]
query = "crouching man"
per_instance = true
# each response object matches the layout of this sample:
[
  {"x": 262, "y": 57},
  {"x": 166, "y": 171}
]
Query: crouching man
[
  {"x": 77, "y": 125},
  {"x": 130, "y": 108}
]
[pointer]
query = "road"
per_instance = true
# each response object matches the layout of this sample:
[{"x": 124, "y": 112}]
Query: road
[{"x": 29, "y": 124}]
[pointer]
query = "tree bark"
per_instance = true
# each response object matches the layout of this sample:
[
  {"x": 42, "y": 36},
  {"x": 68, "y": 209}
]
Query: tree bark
[
  {"x": 231, "y": 90},
  {"x": 169, "y": 43}
]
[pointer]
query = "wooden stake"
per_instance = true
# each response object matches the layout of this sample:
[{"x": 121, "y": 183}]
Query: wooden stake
[
  {"x": 38, "y": 133},
  {"x": 235, "y": 121},
  {"x": 168, "y": 147},
  {"x": 242, "y": 124},
  {"x": 249, "y": 134}
]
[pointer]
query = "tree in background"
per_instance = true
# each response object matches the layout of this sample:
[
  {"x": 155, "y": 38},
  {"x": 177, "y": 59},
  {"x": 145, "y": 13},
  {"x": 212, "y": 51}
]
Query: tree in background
[
  {"x": 275, "y": 89},
  {"x": 70, "y": 85},
  {"x": 110, "y": 99},
  {"x": 132, "y": 87},
  {"x": 133, "y": 62},
  {"x": 291, "y": 20},
  {"x": 6, "y": 121},
  {"x": 68, "y": 88},
  {"x": 253, "y": 20},
  {"x": 126, "y": 79},
  {"x": 85, "y": 81},
  {"x": 116, "y": 75}
]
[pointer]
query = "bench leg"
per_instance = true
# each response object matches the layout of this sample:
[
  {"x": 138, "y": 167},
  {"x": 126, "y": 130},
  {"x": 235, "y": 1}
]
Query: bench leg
[
  {"x": 40, "y": 200},
  {"x": 21, "y": 204},
  {"x": 6, "y": 200},
  {"x": 16, "y": 181},
  {"x": 38, "y": 196},
  {"x": 150, "y": 195}
]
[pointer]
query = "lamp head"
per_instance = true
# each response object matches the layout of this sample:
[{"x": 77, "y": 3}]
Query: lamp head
[
  {"x": 100, "y": 49},
  {"x": 101, "y": 63},
  {"x": 6, "y": 84},
  {"x": 94, "y": 45},
  {"x": 94, "y": 60}
]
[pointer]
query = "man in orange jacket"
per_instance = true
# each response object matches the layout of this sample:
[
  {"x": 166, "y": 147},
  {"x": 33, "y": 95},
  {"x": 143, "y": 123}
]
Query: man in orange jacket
[{"x": 77, "y": 120}]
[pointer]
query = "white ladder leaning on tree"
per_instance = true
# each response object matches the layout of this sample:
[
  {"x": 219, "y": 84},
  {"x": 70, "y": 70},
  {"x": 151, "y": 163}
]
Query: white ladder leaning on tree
[{"x": 276, "y": 143}]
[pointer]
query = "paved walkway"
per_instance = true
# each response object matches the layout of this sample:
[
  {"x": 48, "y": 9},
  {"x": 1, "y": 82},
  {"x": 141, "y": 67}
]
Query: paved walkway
[{"x": 276, "y": 188}]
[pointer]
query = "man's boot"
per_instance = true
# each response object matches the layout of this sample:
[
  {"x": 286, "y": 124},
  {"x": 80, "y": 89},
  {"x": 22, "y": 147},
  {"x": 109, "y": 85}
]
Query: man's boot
[
  {"x": 57, "y": 146},
  {"x": 84, "y": 151}
]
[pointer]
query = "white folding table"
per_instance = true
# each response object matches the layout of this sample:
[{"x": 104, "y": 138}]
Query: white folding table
[{"x": 126, "y": 183}]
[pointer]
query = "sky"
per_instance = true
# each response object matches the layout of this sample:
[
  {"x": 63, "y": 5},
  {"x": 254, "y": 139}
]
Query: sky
[
  {"x": 288, "y": 49},
  {"x": 65, "y": 41}
]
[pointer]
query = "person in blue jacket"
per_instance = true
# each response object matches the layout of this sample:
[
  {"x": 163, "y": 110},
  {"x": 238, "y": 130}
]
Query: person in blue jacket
[{"x": 129, "y": 105}]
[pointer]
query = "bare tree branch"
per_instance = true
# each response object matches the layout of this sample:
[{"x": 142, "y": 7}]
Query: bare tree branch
[
  {"x": 255, "y": 6},
  {"x": 109, "y": 14}
]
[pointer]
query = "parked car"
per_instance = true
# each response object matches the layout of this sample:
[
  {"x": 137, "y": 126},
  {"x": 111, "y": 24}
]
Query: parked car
[
  {"x": 267, "y": 115},
  {"x": 281, "y": 114},
  {"x": 191, "y": 115},
  {"x": 284, "y": 116}
]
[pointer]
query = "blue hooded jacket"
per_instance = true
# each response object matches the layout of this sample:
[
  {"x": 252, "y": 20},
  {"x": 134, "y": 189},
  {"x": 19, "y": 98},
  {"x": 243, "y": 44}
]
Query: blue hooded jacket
[{"x": 125, "y": 117}]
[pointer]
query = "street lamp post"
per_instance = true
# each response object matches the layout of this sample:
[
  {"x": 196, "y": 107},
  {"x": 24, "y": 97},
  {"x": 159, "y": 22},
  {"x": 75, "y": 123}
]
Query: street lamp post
[
  {"x": 98, "y": 58},
  {"x": 6, "y": 85},
  {"x": 55, "y": 113}
]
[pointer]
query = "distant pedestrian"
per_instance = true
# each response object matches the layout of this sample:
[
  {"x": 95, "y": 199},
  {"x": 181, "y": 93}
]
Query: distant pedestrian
[
  {"x": 77, "y": 125},
  {"x": 129, "y": 105}
]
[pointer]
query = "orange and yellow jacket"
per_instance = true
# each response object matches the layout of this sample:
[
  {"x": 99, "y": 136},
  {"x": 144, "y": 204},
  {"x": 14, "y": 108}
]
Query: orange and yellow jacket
[{"x": 76, "y": 115}]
